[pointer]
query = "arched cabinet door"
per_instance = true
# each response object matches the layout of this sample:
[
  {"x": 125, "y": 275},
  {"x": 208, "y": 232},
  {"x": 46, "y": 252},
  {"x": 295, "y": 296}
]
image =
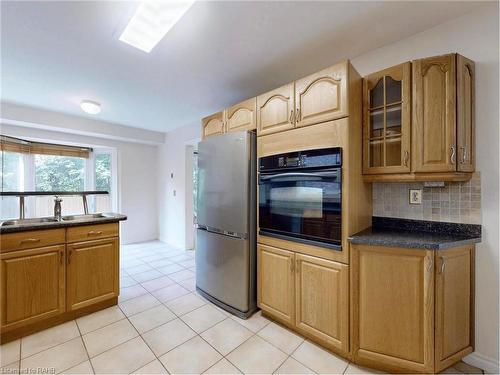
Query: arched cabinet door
[
  {"x": 386, "y": 120},
  {"x": 213, "y": 125},
  {"x": 275, "y": 110},
  {"x": 242, "y": 116},
  {"x": 465, "y": 115},
  {"x": 434, "y": 109},
  {"x": 322, "y": 96}
]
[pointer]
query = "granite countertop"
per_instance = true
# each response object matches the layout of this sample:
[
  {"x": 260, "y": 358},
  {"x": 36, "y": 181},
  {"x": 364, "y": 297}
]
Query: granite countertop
[
  {"x": 417, "y": 234},
  {"x": 105, "y": 218}
]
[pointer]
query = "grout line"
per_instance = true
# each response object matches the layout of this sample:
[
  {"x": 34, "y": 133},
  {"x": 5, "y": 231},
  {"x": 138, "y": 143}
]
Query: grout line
[{"x": 85, "y": 346}]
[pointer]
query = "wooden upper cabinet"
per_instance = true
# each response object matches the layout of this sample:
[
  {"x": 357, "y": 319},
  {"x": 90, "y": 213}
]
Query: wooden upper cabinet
[
  {"x": 454, "y": 305},
  {"x": 386, "y": 120},
  {"x": 242, "y": 116},
  {"x": 92, "y": 272},
  {"x": 275, "y": 282},
  {"x": 214, "y": 124},
  {"x": 434, "y": 109},
  {"x": 33, "y": 283},
  {"x": 322, "y": 96},
  {"x": 465, "y": 115},
  {"x": 275, "y": 110},
  {"x": 393, "y": 308},
  {"x": 322, "y": 300}
]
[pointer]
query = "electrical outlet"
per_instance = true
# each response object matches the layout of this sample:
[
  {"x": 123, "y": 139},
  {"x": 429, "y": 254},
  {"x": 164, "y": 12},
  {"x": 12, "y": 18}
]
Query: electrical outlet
[{"x": 415, "y": 196}]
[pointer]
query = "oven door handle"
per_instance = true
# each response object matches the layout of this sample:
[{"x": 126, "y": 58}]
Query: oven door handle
[{"x": 329, "y": 174}]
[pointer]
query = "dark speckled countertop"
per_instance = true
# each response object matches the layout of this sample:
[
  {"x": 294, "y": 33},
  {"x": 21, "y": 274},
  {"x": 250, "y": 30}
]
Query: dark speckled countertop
[
  {"x": 106, "y": 218},
  {"x": 417, "y": 234}
]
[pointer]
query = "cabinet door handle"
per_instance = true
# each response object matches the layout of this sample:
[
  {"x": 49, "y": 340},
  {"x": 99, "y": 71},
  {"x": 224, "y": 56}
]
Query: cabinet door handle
[
  {"x": 441, "y": 269},
  {"x": 464, "y": 154},
  {"x": 94, "y": 233},
  {"x": 29, "y": 240},
  {"x": 61, "y": 254},
  {"x": 297, "y": 266},
  {"x": 291, "y": 264},
  {"x": 406, "y": 159},
  {"x": 297, "y": 119},
  {"x": 291, "y": 116},
  {"x": 452, "y": 154},
  {"x": 431, "y": 263}
]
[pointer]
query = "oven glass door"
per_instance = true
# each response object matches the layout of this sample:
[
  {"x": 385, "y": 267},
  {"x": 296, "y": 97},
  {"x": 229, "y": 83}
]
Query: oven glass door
[{"x": 303, "y": 205}]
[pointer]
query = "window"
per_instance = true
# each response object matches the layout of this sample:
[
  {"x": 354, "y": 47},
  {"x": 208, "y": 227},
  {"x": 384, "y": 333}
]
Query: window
[
  {"x": 59, "y": 173},
  {"x": 103, "y": 181},
  {"x": 12, "y": 174},
  {"x": 47, "y": 172}
]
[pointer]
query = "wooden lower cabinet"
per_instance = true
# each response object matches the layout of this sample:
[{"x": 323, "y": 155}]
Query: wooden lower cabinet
[
  {"x": 47, "y": 285},
  {"x": 322, "y": 300},
  {"x": 33, "y": 283},
  {"x": 92, "y": 272},
  {"x": 411, "y": 313},
  {"x": 275, "y": 282},
  {"x": 454, "y": 325},
  {"x": 307, "y": 293}
]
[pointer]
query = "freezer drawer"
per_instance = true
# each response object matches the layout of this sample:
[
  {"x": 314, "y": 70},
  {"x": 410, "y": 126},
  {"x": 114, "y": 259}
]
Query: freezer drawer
[{"x": 223, "y": 269}]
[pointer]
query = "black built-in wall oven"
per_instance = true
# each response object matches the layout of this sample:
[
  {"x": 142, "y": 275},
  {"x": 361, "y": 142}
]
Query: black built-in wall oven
[{"x": 300, "y": 196}]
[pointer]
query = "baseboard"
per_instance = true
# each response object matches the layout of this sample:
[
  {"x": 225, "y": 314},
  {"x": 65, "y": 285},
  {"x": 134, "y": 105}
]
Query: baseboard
[{"x": 489, "y": 365}]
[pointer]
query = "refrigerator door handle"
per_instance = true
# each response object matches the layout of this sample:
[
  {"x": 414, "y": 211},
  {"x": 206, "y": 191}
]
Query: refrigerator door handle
[{"x": 242, "y": 236}]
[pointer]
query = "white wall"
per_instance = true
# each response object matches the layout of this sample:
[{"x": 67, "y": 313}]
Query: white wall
[
  {"x": 475, "y": 36},
  {"x": 173, "y": 217},
  {"x": 137, "y": 170}
]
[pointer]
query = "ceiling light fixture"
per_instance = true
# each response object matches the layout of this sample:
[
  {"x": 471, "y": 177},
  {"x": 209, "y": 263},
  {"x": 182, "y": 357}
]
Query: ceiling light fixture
[
  {"x": 151, "y": 22},
  {"x": 90, "y": 107}
]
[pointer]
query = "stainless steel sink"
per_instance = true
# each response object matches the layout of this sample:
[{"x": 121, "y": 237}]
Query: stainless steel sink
[
  {"x": 82, "y": 217},
  {"x": 28, "y": 221}
]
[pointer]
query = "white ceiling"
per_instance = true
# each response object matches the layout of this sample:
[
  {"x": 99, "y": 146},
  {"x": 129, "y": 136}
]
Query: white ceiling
[{"x": 55, "y": 54}]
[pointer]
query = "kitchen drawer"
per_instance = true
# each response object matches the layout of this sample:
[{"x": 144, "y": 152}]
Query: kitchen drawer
[
  {"x": 92, "y": 232},
  {"x": 31, "y": 239}
]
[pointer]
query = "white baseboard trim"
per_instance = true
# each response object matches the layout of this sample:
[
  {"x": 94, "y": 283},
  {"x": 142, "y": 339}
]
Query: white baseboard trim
[{"x": 489, "y": 365}]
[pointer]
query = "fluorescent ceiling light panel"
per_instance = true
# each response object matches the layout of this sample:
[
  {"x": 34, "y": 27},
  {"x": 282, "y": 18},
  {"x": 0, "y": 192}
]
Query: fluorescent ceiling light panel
[{"x": 151, "y": 21}]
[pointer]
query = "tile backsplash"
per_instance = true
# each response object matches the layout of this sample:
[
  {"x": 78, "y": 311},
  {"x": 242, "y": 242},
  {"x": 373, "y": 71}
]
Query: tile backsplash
[{"x": 457, "y": 202}]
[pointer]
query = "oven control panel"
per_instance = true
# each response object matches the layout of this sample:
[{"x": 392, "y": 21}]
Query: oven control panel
[{"x": 322, "y": 158}]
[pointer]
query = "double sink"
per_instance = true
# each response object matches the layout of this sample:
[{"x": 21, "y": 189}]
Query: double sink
[{"x": 51, "y": 219}]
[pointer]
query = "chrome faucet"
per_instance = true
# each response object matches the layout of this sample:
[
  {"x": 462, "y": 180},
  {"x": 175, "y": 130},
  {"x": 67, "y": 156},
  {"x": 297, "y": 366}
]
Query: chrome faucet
[{"x": 57, "y": 209}]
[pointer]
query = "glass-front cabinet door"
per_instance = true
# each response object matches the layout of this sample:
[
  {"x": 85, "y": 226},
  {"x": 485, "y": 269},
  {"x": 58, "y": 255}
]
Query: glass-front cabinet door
[{"x": 386, "y": 121}]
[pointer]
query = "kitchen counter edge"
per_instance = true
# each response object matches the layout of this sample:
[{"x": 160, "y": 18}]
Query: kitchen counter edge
[
  {"x": 109, "y": 218},
  {"x": 410, "y": 239}
]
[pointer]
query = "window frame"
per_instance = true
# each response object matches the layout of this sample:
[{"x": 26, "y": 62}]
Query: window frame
[{"x": 28, "y": 178}]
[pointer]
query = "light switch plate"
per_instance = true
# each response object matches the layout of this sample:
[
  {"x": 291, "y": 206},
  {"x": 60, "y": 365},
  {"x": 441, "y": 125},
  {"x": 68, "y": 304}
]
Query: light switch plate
[{"x": 415, "y": 196}]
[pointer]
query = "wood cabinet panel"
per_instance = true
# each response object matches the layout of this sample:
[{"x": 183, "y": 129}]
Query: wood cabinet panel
[
  {"x": 322, "y": 96},
  {"x": 454, "y": 307},
  {"x": 31, "y": 239},
  {"x": 275, "y": 282},
  {"x": 322, "y": 304},
  {"x": 92, "y": 232},
  {"x": 92, "y": 271},
  {"x": 275, "y": 110},
  {"x": 213, "y": 125},
  {"x": 386, "y": 120},
  {"x": 33, "y": 283},
  {"x": 466, "y": 128},
  {"x": 242, "y": 116},
  {"x": 394, "y": 308},
  {"x": 434, "y": 109}
]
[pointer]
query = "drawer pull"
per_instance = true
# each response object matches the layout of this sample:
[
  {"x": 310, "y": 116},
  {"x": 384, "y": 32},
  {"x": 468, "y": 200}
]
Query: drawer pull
[
  {"x": 94, "y": 233},
  {"x": 29, "y": 240}
]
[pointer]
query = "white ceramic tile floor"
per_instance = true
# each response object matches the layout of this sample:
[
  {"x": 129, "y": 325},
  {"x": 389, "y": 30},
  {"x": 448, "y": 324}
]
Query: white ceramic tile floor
[{"x": 162, "y": 324}]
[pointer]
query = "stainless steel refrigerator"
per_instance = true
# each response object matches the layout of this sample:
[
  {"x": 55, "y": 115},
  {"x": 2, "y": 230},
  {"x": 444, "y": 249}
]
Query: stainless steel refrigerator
[{"x": 226, "y": 233}]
